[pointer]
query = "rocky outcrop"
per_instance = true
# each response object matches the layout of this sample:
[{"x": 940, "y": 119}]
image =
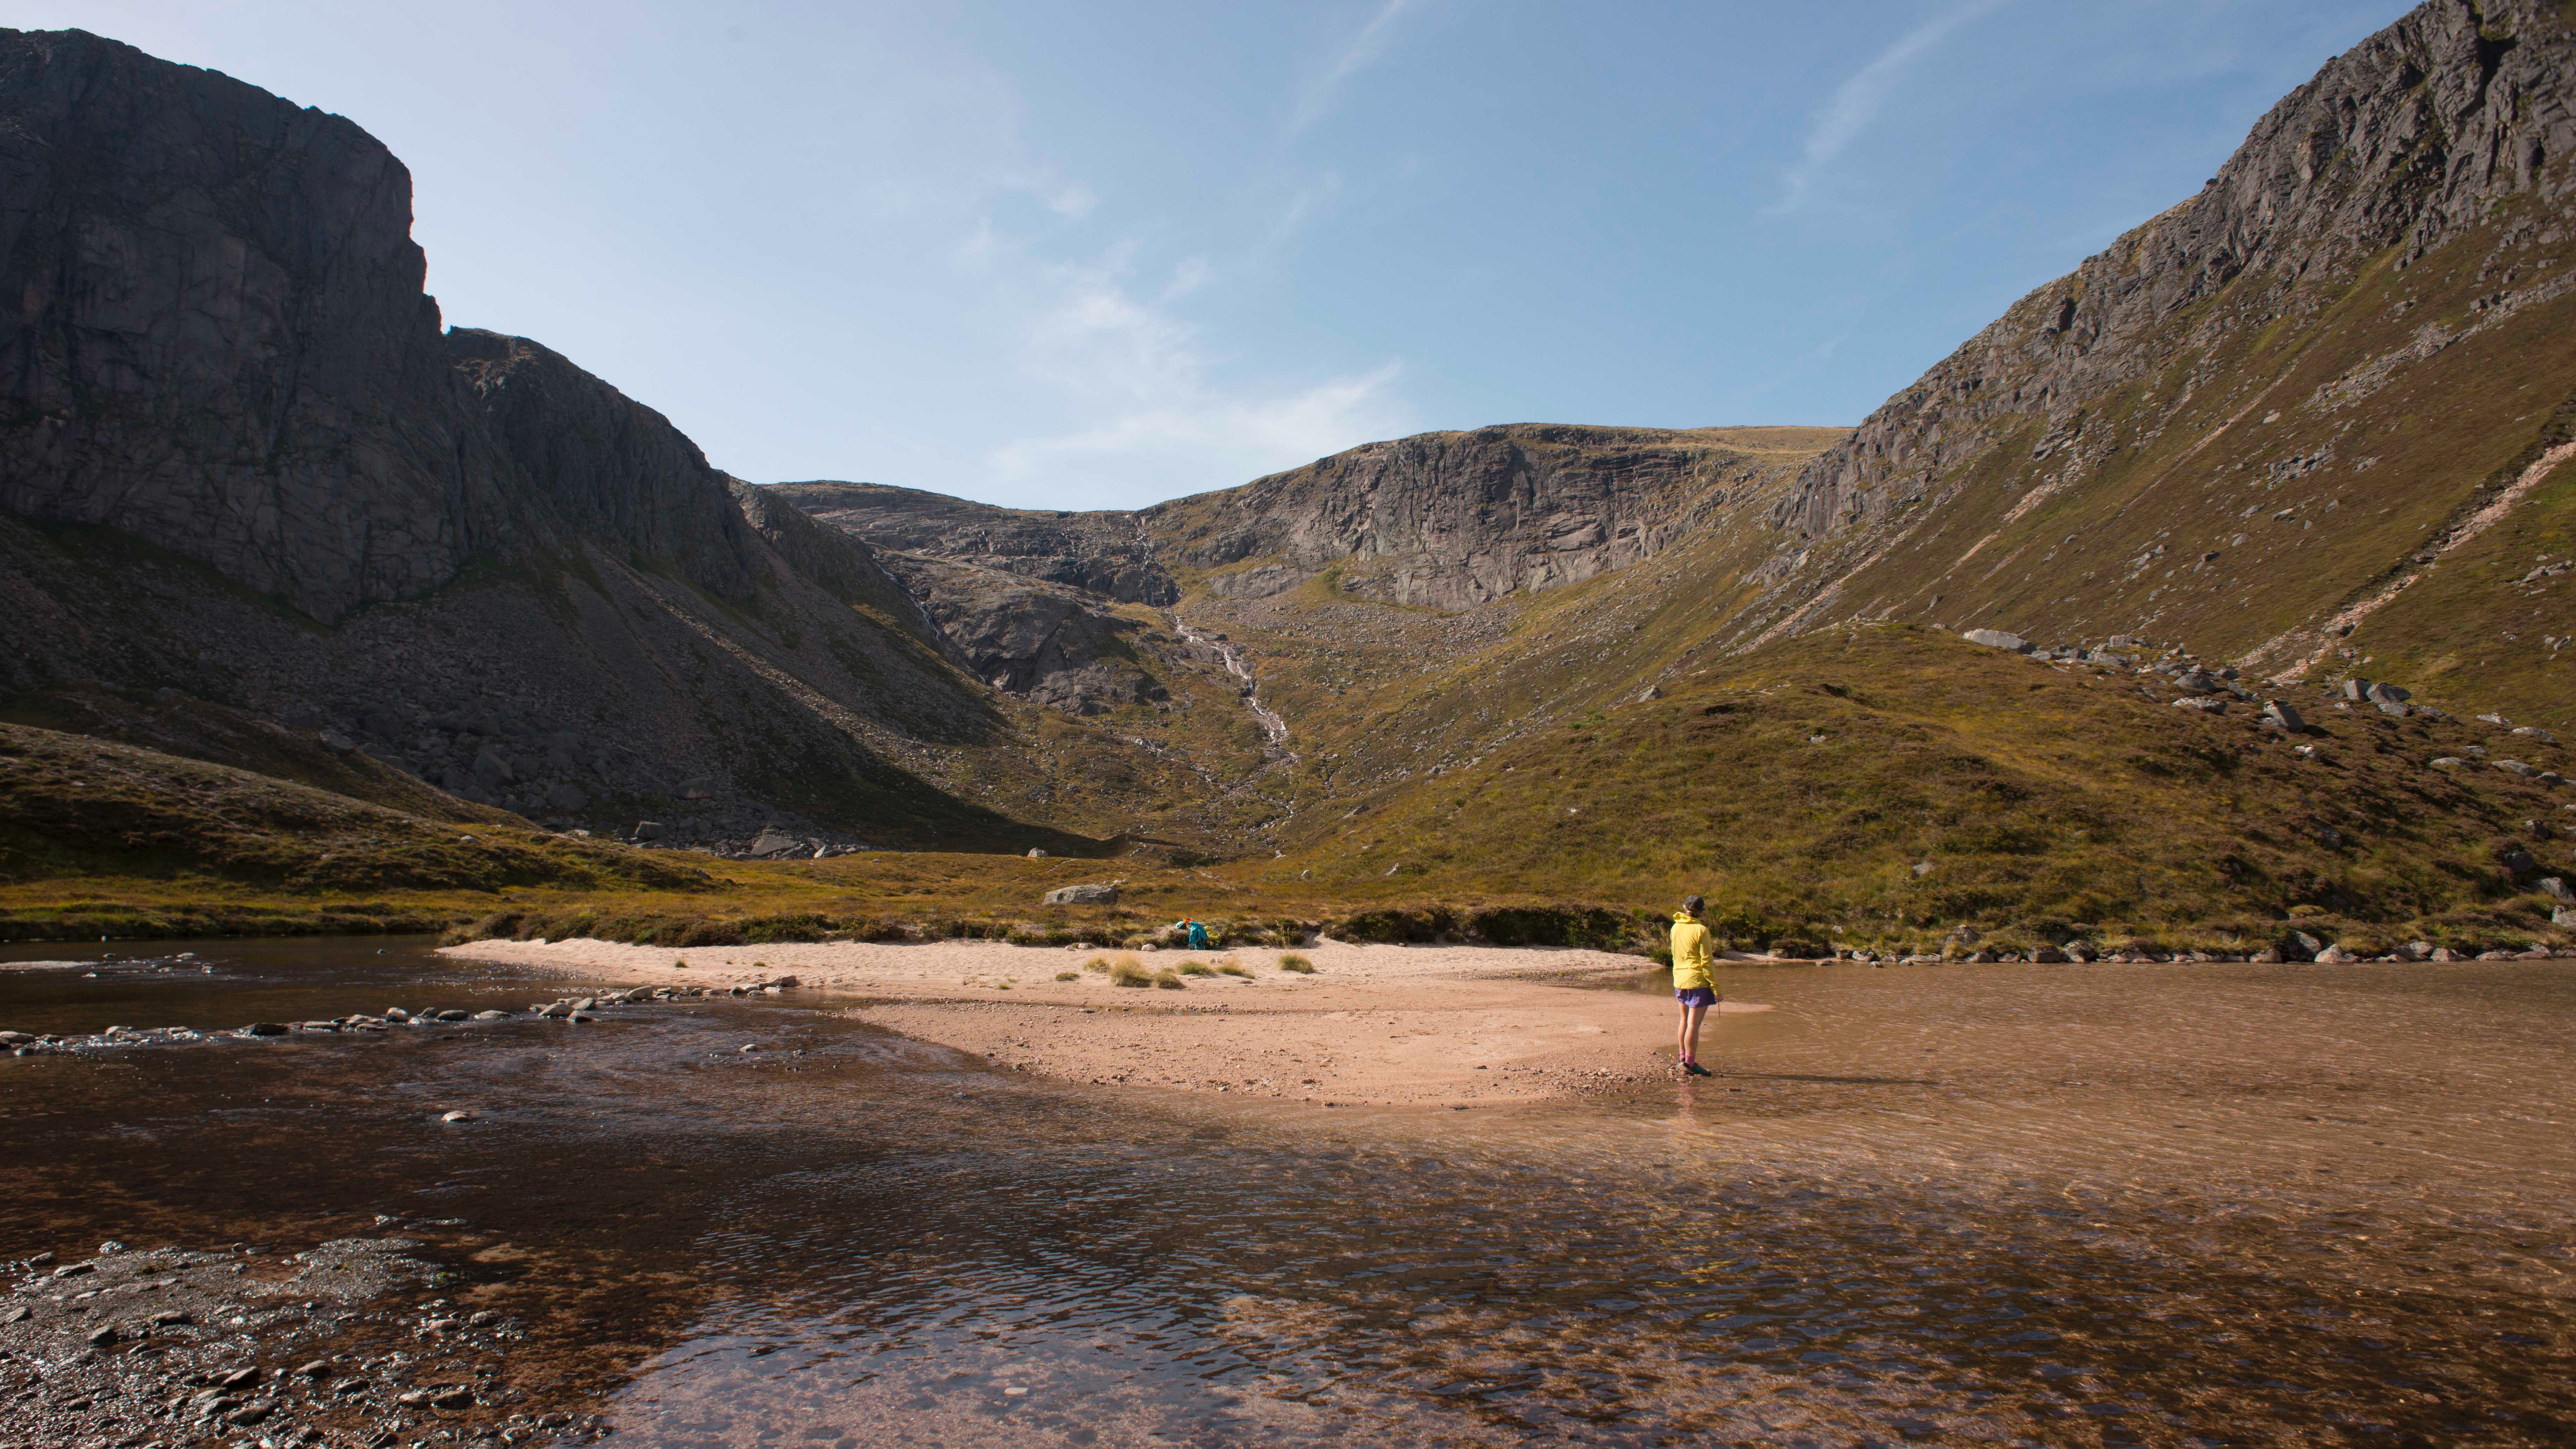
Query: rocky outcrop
[
  {"x": 1100, "y": 552},
  {"x": 1046, "y": 642},
  {"x": 222, "y": 390},
  {"x": 602, "y": 467},
  {"x": 1453, "y": 520},
  {"x": 217, "y": 339},
  {"x": 2459, "y": 116}
]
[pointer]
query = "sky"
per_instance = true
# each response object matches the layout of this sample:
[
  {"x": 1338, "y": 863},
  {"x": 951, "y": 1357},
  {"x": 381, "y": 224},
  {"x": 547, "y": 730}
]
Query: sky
[{"x": 1098, "y": 255}]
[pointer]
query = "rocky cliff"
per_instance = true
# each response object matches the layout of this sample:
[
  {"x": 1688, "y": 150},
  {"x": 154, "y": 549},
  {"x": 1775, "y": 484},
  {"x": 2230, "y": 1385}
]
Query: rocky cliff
[
  {"x": 1453, "y": 520},
  {"x": 218, "y": 340},
  {"x": 245, "y": 476},
  {"x": 2280, "y": 401}
]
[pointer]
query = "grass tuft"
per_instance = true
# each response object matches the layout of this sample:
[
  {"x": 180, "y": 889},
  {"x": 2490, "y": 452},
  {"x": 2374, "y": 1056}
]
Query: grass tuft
[
  {"x": 1169, "y": 980},
  {"x": 1098, "y": 965},
  {"x": 1232, "y": 967},
  {"x": 1130, "y": 972},
  {"x": 1068, "y": 976},
  {"x": 1299, "y": 964},
  {"x": 1195, "y": 968}
]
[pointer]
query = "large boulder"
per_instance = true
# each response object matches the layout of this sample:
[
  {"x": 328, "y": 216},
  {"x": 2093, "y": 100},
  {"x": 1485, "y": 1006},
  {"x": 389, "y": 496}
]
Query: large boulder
[
  {"x": 1083, "y": 895},
  {"x": 1998, "y": 639}
]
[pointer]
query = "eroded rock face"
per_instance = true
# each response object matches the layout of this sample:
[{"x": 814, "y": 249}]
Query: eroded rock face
[
  {"x": 2433, "y": 126},
  {"x": 1100, "y": 552},
  {"x": 1453, "y": 520},
  {"x": 1049, "y": 643},
  {"x": 217, "y": 339},
  {"x": 218, "y": 345}
]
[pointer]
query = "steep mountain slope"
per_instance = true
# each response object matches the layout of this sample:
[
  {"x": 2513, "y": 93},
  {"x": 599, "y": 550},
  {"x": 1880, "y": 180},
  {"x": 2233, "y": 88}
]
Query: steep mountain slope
[
  {"x": 2309, "y": 419},
  {"x": 241, "y": 461}
]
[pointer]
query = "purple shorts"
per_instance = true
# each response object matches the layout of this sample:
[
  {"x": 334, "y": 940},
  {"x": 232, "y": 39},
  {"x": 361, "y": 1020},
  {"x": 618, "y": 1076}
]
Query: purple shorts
[{"x": 1697, "y": 996}]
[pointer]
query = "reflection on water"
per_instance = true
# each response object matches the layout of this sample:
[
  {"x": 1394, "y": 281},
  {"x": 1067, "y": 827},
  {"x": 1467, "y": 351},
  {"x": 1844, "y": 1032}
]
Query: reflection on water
[{"x": 2109, "y": 1205}]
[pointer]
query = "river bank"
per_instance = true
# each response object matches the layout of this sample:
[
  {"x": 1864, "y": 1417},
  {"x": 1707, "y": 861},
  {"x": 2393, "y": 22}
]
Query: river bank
[{"x": 1457, "y": 1026}]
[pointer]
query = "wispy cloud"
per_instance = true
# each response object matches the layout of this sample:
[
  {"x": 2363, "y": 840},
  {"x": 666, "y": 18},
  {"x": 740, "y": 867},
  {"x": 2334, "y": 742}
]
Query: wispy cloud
[
  {"x": 1857, "y": 101},
  {"x": 1363, "y": 51},
  {"x": 1161, "y": 417}
]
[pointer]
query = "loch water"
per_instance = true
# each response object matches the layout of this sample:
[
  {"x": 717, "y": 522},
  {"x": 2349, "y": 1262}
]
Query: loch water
[{"x": 2099, "y": 1205}]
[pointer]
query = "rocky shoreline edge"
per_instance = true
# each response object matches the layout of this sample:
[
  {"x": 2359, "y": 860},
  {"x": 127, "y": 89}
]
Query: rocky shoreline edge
[{"x": 345, "y": 1343}]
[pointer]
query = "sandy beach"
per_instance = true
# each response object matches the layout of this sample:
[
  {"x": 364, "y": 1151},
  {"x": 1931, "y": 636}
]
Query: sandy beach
[{"x": 1458, "y": 1026}]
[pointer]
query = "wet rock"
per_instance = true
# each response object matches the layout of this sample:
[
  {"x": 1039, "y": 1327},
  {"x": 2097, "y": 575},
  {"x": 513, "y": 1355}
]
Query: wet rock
[
  {"x": 491, "y": 1016},
  {"x": 266, "y": 1028},
  {"x": 1082, "y": 895},
  {"x": 396, "y": 1013},
  {"x": 451, "y": 1014},
  {"x": 459, "y": 1115},
  {"x": 72, "y": 1270},
  {"x": 317, "y": 1369}
]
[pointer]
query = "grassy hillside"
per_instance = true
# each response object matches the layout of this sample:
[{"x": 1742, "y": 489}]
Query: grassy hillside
[{"x": 1882, "y": 786}]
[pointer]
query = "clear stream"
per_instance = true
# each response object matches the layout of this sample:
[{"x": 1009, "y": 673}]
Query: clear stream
[{"x": 2004, "y": 1204}]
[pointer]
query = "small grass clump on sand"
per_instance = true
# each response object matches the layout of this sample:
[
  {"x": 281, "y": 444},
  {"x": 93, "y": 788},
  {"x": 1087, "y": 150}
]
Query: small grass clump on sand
[
  {"x": 1130, "y": 972},
  {"x": 1231, "y": 967},
  {"x": 1169, "y": 980},
  {"x": 1297, "y": 963},
  {"x": 1098, "y": 965},
  {"x": 1195, "y": 968},
  {"x": 1068, "y": 976}
]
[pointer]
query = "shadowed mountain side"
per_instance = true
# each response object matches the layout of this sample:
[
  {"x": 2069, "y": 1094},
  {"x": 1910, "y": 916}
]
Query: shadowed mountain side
[
  {"x": 71, "y": 806},
  {"x": 2307, "y": 419},
  {"x": 239, "y": 459}
]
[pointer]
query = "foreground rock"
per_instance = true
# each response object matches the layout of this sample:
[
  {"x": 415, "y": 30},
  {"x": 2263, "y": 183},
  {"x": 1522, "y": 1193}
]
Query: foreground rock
[{"x": 248, "y": 1345}]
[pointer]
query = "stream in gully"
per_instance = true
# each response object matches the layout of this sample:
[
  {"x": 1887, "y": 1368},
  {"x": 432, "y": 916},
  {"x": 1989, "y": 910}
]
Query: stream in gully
[{"x": 2070, "y": 1205}]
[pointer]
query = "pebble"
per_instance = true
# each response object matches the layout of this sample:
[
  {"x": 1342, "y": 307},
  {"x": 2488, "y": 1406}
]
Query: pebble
[{"x": 460, "y": 1115}]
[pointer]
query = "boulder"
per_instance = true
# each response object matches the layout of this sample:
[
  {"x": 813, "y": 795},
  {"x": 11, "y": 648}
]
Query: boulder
[
  {"x": 2206, "y": 704},
  {"x": 2555, "y": 887},
  {"x": 648, "y": 829},
  {"x": 2537, "y": 733},
  {"x": 2267, "y": 954},
  {"x": 1082, "y": 895},
  {"x": 2386, "y": 694},
  {"x": 2516, "y": 767},
  {"x": 2335, "y": 956},
  {"x": 2444, "y": 953},
  {"x": 1998, "y": 639},
  {"x": 777, "y": 842},
  {"x": 2282, "y": 717}
]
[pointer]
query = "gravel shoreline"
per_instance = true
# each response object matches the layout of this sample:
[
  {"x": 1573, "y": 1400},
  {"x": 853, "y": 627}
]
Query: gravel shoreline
[{"x": 345, "y": 1343}]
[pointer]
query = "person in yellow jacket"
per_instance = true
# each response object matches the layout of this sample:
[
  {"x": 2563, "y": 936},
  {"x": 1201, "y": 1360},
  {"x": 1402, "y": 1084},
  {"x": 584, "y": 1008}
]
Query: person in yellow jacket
[{"x": 1693, "y": 986}]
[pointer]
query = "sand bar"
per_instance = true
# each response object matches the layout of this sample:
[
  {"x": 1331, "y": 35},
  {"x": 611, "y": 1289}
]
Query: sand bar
[{"x": 1421, "y": 1025}]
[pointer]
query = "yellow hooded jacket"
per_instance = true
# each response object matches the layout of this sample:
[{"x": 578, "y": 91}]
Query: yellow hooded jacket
[{"x": 1690, "y": 953}]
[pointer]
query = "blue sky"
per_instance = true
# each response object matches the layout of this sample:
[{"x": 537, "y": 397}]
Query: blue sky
[{"x": 1101, "y": 254}]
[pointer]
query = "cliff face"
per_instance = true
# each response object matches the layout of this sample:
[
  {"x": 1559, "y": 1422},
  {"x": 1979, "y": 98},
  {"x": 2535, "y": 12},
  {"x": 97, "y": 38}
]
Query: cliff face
[
  {"x": 219, "y": 341},
  {"x": 2357, "y": 325},
  {"x": 1454, "y": 520},
  {"x": 222, "y": 388}
]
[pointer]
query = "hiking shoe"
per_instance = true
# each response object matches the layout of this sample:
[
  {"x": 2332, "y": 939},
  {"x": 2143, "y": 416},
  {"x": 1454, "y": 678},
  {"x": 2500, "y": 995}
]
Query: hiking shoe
[{"x": 1696, "y": 1070}]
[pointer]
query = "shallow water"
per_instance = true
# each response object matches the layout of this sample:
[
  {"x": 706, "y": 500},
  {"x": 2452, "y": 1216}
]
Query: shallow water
[{"x": 2091, "y": 1205}]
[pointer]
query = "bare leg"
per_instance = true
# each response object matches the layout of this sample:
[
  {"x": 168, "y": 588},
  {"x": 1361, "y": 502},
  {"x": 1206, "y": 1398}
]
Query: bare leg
[{"x": 1690, "y": 1033}]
